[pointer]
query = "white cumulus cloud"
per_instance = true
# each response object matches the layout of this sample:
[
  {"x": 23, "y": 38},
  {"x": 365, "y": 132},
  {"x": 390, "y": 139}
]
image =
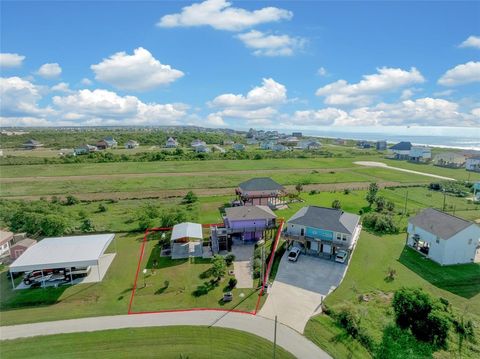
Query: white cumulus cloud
[
  {"x": 61, "y": 87},
  {"x": 471, "y": 41},
  {"x": 11, "y": 60},
  {"x": 50, "y": 70},
  {"x": 221, "y": 15},
  {"x": 264, "y": 44},
  {"x": 86, "y": 81},
  {"x": 461, "y": 74},
  {"x": 363, "y": 92},
  {"x": 137, "y": 72}
]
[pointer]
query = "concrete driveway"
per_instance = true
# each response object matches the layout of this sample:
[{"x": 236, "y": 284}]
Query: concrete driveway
[
  {"x": 299, "y": 287},
  {"x": 242, "y": 265}
]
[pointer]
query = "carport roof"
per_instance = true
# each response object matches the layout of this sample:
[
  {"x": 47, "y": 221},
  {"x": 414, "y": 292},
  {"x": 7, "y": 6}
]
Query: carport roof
[
  {"x": 187, "y": 230},
  {"x": 63, "y": 252}
]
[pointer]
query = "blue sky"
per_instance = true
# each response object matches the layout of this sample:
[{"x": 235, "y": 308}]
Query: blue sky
[{"x": 283, "y": 64}]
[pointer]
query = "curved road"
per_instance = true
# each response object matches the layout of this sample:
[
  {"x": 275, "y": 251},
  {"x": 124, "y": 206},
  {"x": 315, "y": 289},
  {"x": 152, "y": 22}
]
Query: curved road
[
  {"x": 287, "y": 338},
  {"x": 384, "y": 165}
]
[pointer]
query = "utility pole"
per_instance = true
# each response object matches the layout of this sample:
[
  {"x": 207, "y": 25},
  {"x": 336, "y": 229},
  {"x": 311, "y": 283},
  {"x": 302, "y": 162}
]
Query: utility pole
[
  {"x": 275, "y": 338},
  {"x": 444, "y": 198},
  {"x": 406, "y": 199}
]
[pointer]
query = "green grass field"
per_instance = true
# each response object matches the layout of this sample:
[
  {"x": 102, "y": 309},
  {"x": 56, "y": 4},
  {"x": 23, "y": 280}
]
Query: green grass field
[
  {"x": 460, "y": 285},
  {"x": 165, "y": 342}
]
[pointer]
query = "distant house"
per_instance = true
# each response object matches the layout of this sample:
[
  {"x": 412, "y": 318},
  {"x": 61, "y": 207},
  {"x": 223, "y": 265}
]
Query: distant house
[
  {"x": 130, "y": 144},
  {"x": 252, "y": 141},
  {"x": 363, "y": 144},
  {"x": 228, "y": 142},
  {"x": 290, "y": 141},
  {"x": 6, "y": 240},
  {"x": 84, "y": 149},
  {"x": 197, "y": 142},
  {"x": 280, "y": 148},
  {"x": 401, "y": 151},
  {"x": 107, "y": 142},
  {"x": 473, "y": 164},
  {"x": 476, "y": 191},
  {"x": 248, "y": 222},
  {"x": 64, "y": 152},
  {"x": 267, "y": 145},
  {"x": 420, "y": 154},
  {"x": 260, "y": 191},
  {"x": 381, "y": 145},
  {"x": 449, "y": 159},
  {"x": 32, "y": 145},
  {"x": 238, "y": 147},
  {"x": 321, "y": 230},
  {"x": 171, "y": 143},
  {"x": 309, "y": 145},
  {"x": 340, "y": 141},
  {"x": 201, "y": 149},
  {"x": 17, "y": 249},
  {"x": 444, "y": 238},
  {"x": 218, "y": 148},
  {"x": 297, "y": 134}
]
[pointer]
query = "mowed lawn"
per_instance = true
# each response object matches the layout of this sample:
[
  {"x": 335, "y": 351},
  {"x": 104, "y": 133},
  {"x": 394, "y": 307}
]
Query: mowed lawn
[
  {"x": 185, "y": 283},
  {"x": 367, "y": 273},
  {"x": 165, "y": 342}
]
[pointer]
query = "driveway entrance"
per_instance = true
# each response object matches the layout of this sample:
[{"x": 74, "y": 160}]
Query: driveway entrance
[{"x": 299, "y": 288}]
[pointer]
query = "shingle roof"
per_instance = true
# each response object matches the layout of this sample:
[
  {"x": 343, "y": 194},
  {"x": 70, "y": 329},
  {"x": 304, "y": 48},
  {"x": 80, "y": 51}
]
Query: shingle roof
[
  {"x": 249, "y": 213},
  {"x": 402, "y": 146},
  {"x": 5, "y": 236},
  {"x": 326, "y": 218},
  {"x": 260, "y": 184},
  {"x": 441, "y": 224}
]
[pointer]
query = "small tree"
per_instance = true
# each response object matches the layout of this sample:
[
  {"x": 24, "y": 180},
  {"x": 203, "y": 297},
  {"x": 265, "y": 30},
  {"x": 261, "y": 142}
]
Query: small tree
[
  {"x": 299, "y": 188},
  {"x": 380, "y": 203},
  {"x": 219, "y": 267},
  {"x": 71, "y": 200},
  {"x": 336, "y": 204},
  {"x": 87, "y": 225},
  {"x": 102, "y": 208},
  {"x": 190, "y": 197},
  {"x": 372, "y": 193},
  {"x": 390, "y": 206}
]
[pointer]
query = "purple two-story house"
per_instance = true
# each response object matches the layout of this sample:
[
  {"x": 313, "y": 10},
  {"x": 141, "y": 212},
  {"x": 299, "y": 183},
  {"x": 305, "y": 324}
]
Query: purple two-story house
[{"x": 248, "y": 222}]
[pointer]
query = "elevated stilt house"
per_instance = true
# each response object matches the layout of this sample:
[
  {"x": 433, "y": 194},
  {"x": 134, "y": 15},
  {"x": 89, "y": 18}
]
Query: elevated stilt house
[{"x": 261, "y": 191}]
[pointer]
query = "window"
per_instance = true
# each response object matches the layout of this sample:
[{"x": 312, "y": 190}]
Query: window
[
  {"x": 339, "y": 237},
  {"x": 344, "y": 237},
  {"x": 438, "y": 241},
  {"x": 470, "y": 241}
]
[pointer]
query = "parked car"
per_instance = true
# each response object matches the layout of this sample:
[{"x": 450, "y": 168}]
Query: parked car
[
  {"x": 341, "y": 256},
  {"x": 293, "y": 254},
  {"x": 227, "y": 297}
]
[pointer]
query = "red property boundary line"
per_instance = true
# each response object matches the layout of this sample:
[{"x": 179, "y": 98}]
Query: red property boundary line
[{"x": 162, "y": 229}]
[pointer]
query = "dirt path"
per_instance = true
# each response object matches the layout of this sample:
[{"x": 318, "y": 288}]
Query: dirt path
[
  {"x": 383, "y": 165},
  {"x": 204, "y": 192},
  {"x": 167, "y": 174}
]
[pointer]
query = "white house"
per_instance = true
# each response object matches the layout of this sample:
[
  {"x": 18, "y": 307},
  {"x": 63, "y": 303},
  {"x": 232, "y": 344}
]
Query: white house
[
  {"x": 322, "y": 230},
  {"x": 238, "y": 147},
  {"x": 130, "y": 144},
  {"x": 449, "y": 159},
  {"x": 196, "y": 143},
  {"x": 473, "y": 164},
  {"x": 201, "y": 149},
  {"x": 444, "y": 238},
  {"x": 171, "y": 143},
  {"x": 420, "y": 154},
  {"x": 309, "y": 145}
]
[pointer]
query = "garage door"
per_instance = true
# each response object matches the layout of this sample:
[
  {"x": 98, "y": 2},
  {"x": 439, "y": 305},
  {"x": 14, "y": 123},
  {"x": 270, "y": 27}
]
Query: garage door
[{"x": 327, "y": 248}]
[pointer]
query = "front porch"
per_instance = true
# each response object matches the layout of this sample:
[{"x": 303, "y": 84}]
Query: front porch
[{"x": 316, "y": 247}]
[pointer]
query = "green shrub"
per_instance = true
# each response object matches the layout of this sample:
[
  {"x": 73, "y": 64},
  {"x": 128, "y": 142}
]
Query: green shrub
[
  {"x": 102, "y": 208},
  {"x": 380, "y": 222},
  {"x": 232, "y": 282},
  {"x": 71, "y": 200},
  {"x": 229, "y": 258}
]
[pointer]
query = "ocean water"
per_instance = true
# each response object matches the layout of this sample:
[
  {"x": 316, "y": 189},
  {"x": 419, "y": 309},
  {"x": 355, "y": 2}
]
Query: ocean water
[{"x": 468, "y": 142}]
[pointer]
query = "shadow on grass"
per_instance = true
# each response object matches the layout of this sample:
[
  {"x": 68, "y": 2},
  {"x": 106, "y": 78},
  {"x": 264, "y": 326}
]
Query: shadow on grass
[
  {"x": 163, "y": 289},
  {"x": 157, "y": 262},
  {"x": 205, "y": 288},
  {"x": 461, "y": 279}
]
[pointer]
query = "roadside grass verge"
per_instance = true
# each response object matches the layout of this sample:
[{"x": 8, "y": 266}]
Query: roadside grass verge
[{"x": 166, "y": 342}]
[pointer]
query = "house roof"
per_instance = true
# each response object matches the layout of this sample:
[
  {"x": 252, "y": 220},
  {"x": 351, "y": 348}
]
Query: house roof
[
  {"x": 326, "y": 218},
  {"x": 32, "y": 142},
  {"x": 5, "y": 236},
  {"x": 441, "y": 224},
  {"x": 62, "y": 252},
  {"x": 260, "y": 184},
  {"x": 187, "y": 230},
  {"x": 249, "y": 212},
  {"x": 402, "y": 146},
  {"x": 26, "y": 242}
]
